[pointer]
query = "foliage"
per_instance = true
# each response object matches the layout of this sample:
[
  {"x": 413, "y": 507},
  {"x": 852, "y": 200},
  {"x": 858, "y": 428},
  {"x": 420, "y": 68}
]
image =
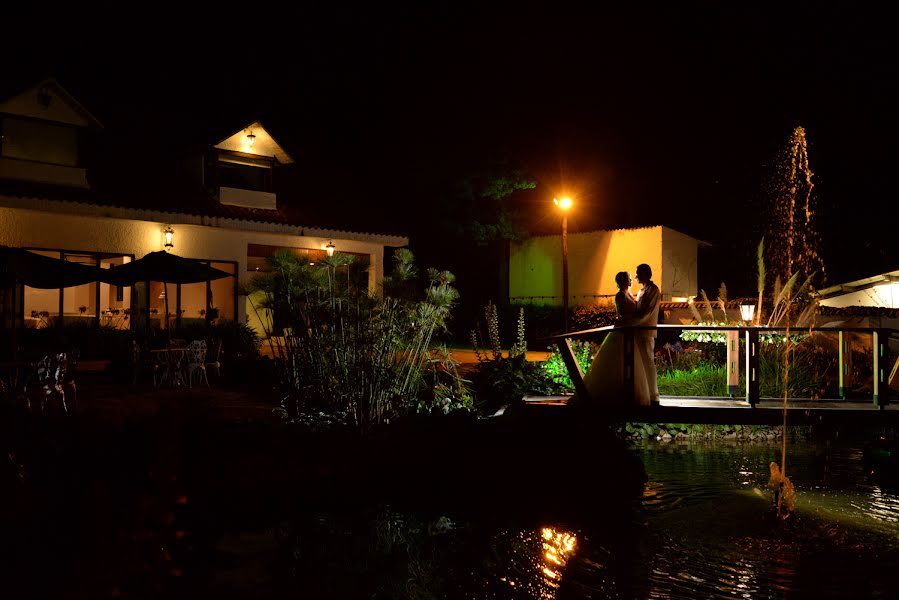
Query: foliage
[
  {"x": 720, "y": 337},
  {"x": 669, "y": 431},
  {"x": 483, "y": 206},
  {"x": 345, "y": 350},
  {"x": 693, "y": 372},
  {"x": 704, "y": 379},
  {"x": 388, "y": 554},
  {"x": 556, "y": 372},
  {"x": 809, "y": 365},
  {"x": 239, "y": 340},
  {"x": 450, "y": 392},
  {"x": 500, "y": 379},
  {"x": 760, "y": 266},
  {"x": 591, "y": 316}
]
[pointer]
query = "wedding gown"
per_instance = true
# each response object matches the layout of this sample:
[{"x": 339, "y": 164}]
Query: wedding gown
[{"x": 605, "y": 378}]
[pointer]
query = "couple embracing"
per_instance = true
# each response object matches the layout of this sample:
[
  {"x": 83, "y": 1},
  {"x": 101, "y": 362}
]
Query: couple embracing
[{"x": 605, "y": 379}]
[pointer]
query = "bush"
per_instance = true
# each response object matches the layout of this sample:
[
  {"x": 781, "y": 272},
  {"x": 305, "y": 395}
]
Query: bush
[
  {"x": 556, "y": 372},
  {"x": 346, "y": 351},
  {"x": 704, "y": 379},
  {"x": 502, "y": 380}
]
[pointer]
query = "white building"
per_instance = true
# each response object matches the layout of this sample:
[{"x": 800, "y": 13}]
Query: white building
[{"x": 220, "y": 205}]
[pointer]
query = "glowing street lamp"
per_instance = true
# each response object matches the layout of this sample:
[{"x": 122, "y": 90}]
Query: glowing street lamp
[
  {"x": 747, "y": 311},
  {"x": 564, "y": 205}
]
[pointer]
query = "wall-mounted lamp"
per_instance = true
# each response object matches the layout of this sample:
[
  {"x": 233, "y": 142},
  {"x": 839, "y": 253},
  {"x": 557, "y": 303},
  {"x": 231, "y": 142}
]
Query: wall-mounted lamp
[
  {"x": 169, "y": 236},
  {"x": 251, "y": 139},
  {"x": 330, "y": 249},
  {"x": 747, "y": 311}
]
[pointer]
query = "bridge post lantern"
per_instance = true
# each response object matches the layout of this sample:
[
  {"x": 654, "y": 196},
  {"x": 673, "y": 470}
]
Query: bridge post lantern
[
  {"x": 881, "y": 351},
  {"x": 752, "y": 366},
  {"x": 845, "y": 360},
  {"x": 733, "y": 362}
]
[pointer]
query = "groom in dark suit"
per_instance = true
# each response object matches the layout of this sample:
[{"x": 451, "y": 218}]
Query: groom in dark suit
[{"x": 647, "y": 314}]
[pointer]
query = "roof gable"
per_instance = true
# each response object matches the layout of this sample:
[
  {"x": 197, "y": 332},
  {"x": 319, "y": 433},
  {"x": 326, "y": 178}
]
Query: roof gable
[
  {"x": 254, "y": 139},
  {"x": 49, "y": 101}
]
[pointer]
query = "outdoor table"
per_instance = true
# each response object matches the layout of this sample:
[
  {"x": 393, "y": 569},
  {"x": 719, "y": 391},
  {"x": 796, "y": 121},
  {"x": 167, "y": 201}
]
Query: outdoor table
[{"x": 170, "y": 360}]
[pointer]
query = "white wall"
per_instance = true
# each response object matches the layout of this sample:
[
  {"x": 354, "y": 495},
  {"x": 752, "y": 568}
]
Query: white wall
[
  {"x": 679, "y": 264},
  {"x": 77, "y": 232}
]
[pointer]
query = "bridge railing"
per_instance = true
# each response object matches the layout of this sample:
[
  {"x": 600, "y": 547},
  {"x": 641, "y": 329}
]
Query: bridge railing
[{"x": 749, "y": 338}]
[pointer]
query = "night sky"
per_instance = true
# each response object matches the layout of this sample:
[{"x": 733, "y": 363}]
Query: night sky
[{"x": 645, "y": 116}]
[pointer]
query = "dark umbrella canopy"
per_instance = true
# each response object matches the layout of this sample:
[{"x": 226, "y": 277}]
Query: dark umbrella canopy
[
  {"x": 37, "y": 271},
  {"x": 165, "y": 267}
]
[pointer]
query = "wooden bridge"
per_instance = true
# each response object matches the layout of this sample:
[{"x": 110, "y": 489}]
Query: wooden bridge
[{"x": 743, "y": 405}]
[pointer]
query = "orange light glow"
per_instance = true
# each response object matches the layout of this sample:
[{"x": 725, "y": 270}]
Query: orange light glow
[{"x": 565, "y": 203}]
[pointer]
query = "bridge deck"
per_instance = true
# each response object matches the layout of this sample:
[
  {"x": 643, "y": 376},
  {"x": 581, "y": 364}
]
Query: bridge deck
[{"x": 726, "y": 410}]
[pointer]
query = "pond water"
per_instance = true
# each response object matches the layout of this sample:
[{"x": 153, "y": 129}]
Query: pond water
[{"x": 170, "y": 510}]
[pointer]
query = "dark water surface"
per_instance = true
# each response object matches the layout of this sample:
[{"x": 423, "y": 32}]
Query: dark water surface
[{"x": 174, "y": 509}]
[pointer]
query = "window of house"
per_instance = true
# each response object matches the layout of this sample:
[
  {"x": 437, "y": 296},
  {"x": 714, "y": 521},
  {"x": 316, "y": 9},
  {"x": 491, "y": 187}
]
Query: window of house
[
  {"x": 89, "y": 303},
  {"x": 245, "y": 174},
  {"x": 39, "y": 142},
  {"x": 190, "y": 303}
]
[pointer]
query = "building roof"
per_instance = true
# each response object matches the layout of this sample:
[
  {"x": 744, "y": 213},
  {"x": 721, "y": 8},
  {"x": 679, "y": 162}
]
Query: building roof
[
  {"x": 23, "y": 103},
  {"x": 178, "y": 205},
  {"x": 263, "y": 144},
  {"x": 570, "y": 233},
  {"x": 858, "y": 285}
]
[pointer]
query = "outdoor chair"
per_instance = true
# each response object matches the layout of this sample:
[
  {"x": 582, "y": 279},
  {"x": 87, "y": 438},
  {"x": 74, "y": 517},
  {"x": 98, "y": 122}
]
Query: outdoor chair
[
  {"x": 139, "y": 364},
  {"x": 196, "y": 362},
  {"x": 51, "y": 378}
]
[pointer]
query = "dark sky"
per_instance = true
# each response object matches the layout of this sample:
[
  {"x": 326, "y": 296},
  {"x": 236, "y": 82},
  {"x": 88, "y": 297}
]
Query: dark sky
[{"x": 644, "y": 115}]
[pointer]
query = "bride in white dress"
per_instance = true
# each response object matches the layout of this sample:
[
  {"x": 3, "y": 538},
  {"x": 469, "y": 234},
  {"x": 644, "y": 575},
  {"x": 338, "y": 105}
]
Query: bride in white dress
[{"x": 605, "y": 378}]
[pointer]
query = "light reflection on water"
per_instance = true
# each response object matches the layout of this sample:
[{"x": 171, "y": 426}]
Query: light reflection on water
[
  {"x": 705, "y": 527},
  {"x": 533, "y": 561}
]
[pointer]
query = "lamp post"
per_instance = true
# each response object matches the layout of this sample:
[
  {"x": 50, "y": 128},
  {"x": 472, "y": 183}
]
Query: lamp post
[{"x": 564, "y": 204}]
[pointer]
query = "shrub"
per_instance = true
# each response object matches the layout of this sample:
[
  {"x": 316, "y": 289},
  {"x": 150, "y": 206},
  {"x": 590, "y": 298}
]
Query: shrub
[
  {"x": 345, "y": 351},
  {"x": 239, "y": 340},
  {"x": 502, "y": 380},
  {"x": 704, "y": 379},
  {"x": 556, "y": 372}
]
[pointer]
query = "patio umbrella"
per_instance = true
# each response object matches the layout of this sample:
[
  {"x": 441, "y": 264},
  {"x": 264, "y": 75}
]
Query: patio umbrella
[
  {"x": 38, "y": 271},
  {"x": 19, "y": 266},
  {"x": 165, "y": 267}
]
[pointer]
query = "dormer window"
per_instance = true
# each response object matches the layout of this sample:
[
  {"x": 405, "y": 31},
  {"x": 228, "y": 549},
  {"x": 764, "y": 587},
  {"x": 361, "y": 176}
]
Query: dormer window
[
  {"x": 39, "y": 142},
  {"x": 245, "y": 173},
  {"x": 243, "y": 168},
  {"x": 40, "y": 130}
]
